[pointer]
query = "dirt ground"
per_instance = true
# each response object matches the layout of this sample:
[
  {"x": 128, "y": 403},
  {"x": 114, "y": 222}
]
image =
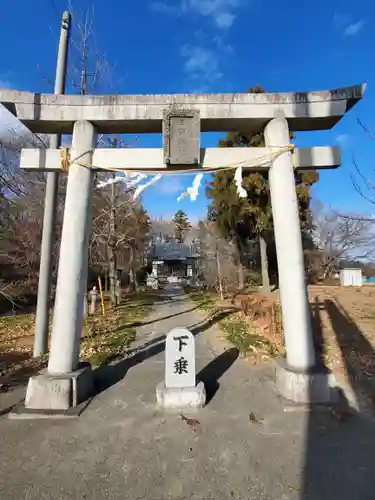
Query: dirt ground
[
  {"x": 344, "y": 328},
  {"x": 343, "y": 322}
]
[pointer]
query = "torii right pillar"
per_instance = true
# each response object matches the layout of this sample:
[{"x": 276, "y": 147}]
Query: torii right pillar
[{"x": 298, "y": 377}]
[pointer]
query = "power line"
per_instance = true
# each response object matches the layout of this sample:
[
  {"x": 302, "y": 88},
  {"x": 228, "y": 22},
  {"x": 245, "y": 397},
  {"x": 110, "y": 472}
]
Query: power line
[{"x": 55, "y": 8}]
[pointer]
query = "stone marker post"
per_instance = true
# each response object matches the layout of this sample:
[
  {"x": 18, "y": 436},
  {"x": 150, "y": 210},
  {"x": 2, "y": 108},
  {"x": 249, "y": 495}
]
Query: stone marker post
[
  {"x": 180, "y": 389},
  {"x": 118, "y": 291},
  {"x": 94, "y": 294}
]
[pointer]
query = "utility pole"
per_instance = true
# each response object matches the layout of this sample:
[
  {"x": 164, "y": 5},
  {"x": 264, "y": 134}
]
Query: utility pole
[
  {"x": 50, "y": 206},
  {"x": 112, "y": 243},
  {"x": 219, "y": 272}
]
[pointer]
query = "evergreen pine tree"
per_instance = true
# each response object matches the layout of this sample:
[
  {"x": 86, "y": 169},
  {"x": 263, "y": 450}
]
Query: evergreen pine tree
[
  {"x": 244, "y": 219},
  {"x": 182, "y": 225}
]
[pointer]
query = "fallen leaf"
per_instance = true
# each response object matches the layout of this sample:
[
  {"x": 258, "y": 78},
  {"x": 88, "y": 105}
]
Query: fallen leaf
[
  {"x": 292, "y": 488},
  {"x": 191, "y": 422},
  {"x": 341, "y": 415},
  {"x": 253, "y": 419}
]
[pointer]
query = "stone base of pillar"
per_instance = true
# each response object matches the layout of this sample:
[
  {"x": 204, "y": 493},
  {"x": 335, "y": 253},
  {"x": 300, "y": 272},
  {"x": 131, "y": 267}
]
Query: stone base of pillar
[
  {"x": 318, "y": 385},
  {"x": 46, "y": 391},
  {"x": 181, "y": 397}
]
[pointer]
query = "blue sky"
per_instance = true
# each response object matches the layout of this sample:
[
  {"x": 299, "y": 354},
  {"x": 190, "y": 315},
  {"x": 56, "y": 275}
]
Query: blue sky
[{"x": 178, "y": 46}]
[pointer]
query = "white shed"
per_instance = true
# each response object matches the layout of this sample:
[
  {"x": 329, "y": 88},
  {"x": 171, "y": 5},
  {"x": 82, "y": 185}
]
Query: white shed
[{"x": 351, "y": 277}]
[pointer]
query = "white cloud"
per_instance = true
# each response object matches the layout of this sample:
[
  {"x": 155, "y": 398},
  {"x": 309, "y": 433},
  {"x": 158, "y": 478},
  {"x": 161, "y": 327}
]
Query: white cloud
[
  {"x": 5, "y": 82},
  {"x": 166, "y": 8},
  {"x": 354, "y": 28},
  {"x": 201, "y": 64},
  {"x": 225, "y": 20},
  {"x": 345, "y": 24},
  {"x": 342, "y": 139},
  {"x": 221, "y": 12},
  {"x": 222, "y": 44}
]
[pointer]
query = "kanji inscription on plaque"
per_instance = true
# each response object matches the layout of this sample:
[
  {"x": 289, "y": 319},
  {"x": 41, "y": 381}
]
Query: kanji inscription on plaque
[{"x": 181, "y": 137}]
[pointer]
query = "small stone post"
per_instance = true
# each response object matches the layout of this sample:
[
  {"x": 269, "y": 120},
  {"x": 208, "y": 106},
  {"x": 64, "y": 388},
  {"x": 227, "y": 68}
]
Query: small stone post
[
  {"x": 154, "y": 270},
  {"x": 94, "y": 294},
  {"x": 118, "y": 291}
]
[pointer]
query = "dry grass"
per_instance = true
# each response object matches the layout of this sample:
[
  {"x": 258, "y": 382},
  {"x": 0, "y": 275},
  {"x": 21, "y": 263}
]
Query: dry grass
[
  {"x": 263, "y": 313},
  {"x": 17, "y": 337},
  {"x": 254, "y": 327},
  {"x": 343, "y": 324},
  {"x": 102, "y": 338}
]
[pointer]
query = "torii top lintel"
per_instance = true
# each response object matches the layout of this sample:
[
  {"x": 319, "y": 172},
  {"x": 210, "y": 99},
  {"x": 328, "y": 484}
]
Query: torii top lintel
[{"x": 50, "y": 113}]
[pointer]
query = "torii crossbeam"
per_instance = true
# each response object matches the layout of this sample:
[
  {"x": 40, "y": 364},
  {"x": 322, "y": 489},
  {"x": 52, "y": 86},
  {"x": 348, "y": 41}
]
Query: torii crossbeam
[{"x": 148, "y": 159}]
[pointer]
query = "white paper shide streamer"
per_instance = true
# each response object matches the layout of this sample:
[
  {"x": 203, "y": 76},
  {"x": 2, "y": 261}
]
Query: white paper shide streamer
[
  {"x": 142, "y": 187},
  {"x": 132, "y": 179},
  {"x": 192, "y": 191},
  {"x": 241, "y": 191}
]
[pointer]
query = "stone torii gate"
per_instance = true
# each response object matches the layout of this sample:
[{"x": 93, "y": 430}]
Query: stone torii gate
[{"x": 181, "y": 118}]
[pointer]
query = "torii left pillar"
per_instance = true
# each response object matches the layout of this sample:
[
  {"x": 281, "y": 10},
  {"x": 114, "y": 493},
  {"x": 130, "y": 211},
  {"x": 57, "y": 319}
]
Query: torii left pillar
[{"x": 66, "y": 383}]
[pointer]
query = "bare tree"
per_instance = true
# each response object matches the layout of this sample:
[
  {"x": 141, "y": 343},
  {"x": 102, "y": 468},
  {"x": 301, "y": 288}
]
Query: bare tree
[
  {"x": 90, "y": 71},
  {"x": 120, "y": 225},
  {"x": 21, "y": 205},
  {"x": 22, "y": 195},
  {"x": 120, "y": 233},
  {"x": 364, "y": 185},
  {"x": 112, "y": 210},
  {"x": 341, "y": 237},
  {"x": 218, "y": 259}
]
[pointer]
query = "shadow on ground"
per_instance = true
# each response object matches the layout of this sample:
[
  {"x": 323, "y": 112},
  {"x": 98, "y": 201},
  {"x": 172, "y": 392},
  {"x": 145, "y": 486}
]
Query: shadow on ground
[
  {"x": 25, "y": 366},
  {"x": 13, "y": 383},
  {"x": 17, "y": 367},
  {"x": 139, "y": 323},
  {"x": 114, "y": 370},
  {"x": 211, "y": 373},
  {"x": 340, "y": 443}
]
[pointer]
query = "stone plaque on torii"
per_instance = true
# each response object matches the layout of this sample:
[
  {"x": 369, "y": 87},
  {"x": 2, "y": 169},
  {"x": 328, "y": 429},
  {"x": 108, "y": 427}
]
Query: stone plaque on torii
[
  {"x": 181, "y": 137},
  {"x": 183, "y": 118}
]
